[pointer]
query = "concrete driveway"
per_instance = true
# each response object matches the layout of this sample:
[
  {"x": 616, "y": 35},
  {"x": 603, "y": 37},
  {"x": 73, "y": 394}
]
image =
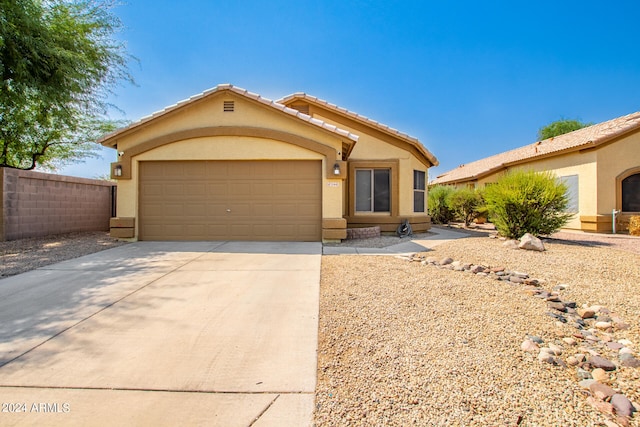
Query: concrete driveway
[{"x": 157, "y": 333}]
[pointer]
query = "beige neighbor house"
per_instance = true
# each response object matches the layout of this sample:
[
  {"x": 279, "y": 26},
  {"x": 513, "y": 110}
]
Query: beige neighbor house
[
  {"x": 228, "y": 164},
  {"x": 600, "y": 164}
]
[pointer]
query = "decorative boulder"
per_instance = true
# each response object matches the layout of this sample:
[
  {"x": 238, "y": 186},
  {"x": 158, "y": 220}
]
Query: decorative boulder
[
  {"x": 531, "y": 243},
  {"x": 511, "y": 244}
]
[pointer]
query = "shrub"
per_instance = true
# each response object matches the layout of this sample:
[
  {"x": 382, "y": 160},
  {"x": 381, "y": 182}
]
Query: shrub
[
  {"x": 438, "y": 202},
  {"x": 634, "y": 225},
  {"x": 527, "y": 202},
  {"x": 466, "y": 204}
]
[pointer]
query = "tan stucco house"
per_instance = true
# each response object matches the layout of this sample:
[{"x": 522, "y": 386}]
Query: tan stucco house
[
  {"x": 600, "y": 164},
  {"x": 228, "y": 164}
]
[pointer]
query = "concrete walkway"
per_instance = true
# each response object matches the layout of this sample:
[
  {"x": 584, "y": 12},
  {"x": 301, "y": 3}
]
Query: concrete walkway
[
  {"x": 209, "y": 333},
  {"x": 438, "y": 237}
]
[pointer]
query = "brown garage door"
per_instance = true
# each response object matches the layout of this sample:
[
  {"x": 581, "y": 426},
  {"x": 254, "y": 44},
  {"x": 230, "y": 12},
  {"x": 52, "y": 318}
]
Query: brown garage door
[{"x": 231, "y": 200}]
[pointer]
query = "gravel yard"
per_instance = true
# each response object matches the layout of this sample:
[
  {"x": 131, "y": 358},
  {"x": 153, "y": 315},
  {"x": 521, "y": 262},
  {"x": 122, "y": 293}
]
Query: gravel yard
[
  {"x": 401, "y": 343},
  {"x": 19, "y": 256}
]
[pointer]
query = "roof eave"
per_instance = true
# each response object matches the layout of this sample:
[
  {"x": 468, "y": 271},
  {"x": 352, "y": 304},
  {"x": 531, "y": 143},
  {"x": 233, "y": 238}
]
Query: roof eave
[
  {"x": 110, "y": 140},
  {"x": 428, "y": 156}
]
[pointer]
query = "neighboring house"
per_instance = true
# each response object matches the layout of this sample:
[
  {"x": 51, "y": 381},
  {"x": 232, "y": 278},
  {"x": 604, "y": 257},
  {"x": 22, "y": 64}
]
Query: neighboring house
[
  {"x": 228, "y": 164},
  {"x": 600, "y": 164}
]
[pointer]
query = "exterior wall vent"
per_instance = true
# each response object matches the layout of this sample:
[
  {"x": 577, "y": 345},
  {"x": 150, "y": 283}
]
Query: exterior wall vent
[{"x": 228, "y": 106}]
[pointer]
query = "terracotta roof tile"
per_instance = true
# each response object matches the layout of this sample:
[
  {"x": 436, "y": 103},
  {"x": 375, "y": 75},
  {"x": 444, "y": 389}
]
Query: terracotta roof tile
[
  {"x": 591, "y": 136},
  {"x": 243, "y": 92},
  {"x": 358, "y": 117}
]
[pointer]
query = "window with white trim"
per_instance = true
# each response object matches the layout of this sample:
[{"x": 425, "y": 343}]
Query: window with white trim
[
  {"x": 419, "y": 190},
  {"x": 373, "y": 190}
]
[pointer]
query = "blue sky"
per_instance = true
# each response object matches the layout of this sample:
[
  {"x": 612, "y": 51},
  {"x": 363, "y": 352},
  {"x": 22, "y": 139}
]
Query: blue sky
[{"x": 467, "y": 78}]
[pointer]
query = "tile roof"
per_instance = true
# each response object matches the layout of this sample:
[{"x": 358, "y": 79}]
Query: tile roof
[
  {"x": 239, "y": 91},
  {"x": 588, "y": 137},
  {"x": 372, "y": 123}
]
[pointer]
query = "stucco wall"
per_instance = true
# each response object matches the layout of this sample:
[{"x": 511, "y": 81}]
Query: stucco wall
[
  {"x": 581, "y": 164},
  {"x": 371, "y": 148},
  {"x": 34, "y": 204},
  {"x": 613, "y": 160},
  {"x": 246, "y": 114}
]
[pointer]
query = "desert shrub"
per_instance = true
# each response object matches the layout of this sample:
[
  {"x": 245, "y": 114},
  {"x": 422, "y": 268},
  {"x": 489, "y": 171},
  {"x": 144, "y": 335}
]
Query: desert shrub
[
  {"x": 527, "y": 202},
  {"x": 466, "y": 203},
  {"x": 438, "y": 202},
  {"x": 634, "y": 225}
]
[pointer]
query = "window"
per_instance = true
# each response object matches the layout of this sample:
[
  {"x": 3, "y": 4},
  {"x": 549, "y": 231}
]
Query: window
[
  {"x": 228, "y": 106},
  {"x": 631, "y": 193},
  {"x": 571, "y": 181},
  {"x": 373, "y": 190},
  {"x": 419, "y": 186}
]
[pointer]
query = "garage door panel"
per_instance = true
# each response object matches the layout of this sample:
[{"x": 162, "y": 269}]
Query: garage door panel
[
  {"x": 263, "y": 210},
  {"x": 268, "y": 200},
  {"x": 195, "y": 190},
  {"x": 173, "y": 210}
]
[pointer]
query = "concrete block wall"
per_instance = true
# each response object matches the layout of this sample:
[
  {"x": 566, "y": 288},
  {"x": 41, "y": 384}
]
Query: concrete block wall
[{"x": 34, "y": 204}]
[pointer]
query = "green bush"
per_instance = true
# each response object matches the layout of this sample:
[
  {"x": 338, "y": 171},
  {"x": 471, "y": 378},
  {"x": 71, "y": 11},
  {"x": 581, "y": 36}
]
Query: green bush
[
  {"x": 527, "y": 202},
  {"x": 466, "y": 204},
  {"x": 438, "y": 202}
]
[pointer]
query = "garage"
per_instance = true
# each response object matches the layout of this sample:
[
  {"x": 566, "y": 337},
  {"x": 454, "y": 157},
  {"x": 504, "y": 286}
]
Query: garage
[{"x": 278, "y": 200}]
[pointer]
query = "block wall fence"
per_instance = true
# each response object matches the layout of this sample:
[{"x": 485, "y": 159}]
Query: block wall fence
[{"x": 35, "y": 204}]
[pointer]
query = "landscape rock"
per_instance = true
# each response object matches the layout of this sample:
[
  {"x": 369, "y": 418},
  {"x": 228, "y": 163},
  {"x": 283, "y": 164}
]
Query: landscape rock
[
  {"x": 630, "y": 362},
  {"x": 603, "y": 325},
  {"x": 601, "y": 391},
  {"x": 600, "y": 375},
  {"x": 446, "y": 261},
  {"x": 545, "y": 356},
  {"x": 584, "y": 375},
  {"x": 586, "y": 383},
  {"x": 587, "y": 313},
  {"x": 572, "y": 361},
  {"x": 621, "y": 326},
  {"x": 531, "y": 243},
  {"x": 555, "y": 349},
  {"x": 622, "y": 405},
  {"x": 557, "y": 306},
  {"x": 536, "y": 339},
  {"x": 601, "y": 362},
  {"x": 477, "y": 269},
  {"x": 529, "y": 346},
  {"x": 614, "y": 345},
  {"x": 532, "y": 282},
  {"x": 511, "y": 244},
  {"x": 604, "y": 407}
]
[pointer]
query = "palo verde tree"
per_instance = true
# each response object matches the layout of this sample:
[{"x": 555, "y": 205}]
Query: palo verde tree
[
  {"x": 560, "y": 127},
  {"x": 58, "y": 62}
]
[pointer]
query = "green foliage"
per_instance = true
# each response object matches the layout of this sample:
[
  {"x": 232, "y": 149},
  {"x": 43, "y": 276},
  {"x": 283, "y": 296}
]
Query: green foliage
[
  {"x": 58, "y": 63},
  {"x": 466, "y": 204},
  {"x": 560, "y": 127},
  {"x": 438, "y": 202},
  {"x": 527, "y": 202}
]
